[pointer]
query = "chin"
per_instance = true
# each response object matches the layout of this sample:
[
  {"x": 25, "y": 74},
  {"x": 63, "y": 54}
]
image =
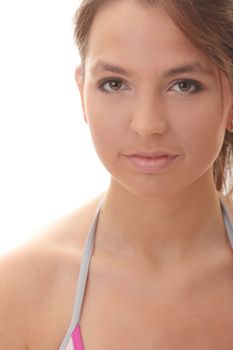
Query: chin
[{"x": 146, "y": 189}]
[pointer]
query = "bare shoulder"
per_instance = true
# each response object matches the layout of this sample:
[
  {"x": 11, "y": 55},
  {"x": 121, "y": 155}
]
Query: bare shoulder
[{"x": 36, "y": 276}]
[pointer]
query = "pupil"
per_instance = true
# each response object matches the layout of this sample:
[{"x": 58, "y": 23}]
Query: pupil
[
  {"x": 184, "y": 85},
  {"x": 114, "y": 84}
]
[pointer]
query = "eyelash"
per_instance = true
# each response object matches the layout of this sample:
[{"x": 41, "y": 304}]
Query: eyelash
[{"x": 197, "y": 85}]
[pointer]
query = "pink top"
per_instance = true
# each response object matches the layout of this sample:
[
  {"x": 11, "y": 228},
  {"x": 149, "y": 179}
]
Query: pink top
[{"x": 75, "y": 342}]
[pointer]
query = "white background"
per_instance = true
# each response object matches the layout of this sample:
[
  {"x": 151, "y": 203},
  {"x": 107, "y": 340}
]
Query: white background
[{"x": 48, "y": 165}]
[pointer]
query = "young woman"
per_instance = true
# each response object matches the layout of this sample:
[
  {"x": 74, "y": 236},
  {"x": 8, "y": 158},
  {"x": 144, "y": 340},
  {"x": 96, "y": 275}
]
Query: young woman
[{"x": 149, "y": 263}]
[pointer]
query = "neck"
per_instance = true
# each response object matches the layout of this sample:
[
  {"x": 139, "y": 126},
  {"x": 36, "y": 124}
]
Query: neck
[{"x": 177, "y": 226}]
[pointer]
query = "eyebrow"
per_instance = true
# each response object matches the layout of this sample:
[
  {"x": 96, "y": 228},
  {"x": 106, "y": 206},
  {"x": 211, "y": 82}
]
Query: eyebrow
[{"x": 193, "y": 67}]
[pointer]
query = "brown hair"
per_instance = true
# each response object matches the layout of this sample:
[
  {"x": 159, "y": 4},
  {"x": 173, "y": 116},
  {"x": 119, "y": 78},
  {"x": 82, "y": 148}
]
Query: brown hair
[{"x": 208, "y": 24}]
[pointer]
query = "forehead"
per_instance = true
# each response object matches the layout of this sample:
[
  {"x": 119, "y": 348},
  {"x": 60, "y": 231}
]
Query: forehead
[{"x": 143, "y": 37}]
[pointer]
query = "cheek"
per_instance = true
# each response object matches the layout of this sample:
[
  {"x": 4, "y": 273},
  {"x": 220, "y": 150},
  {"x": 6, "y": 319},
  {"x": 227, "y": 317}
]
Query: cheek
[
  {"x": 103, "y": 108},
  {"x": 202, "y": 131},
  {"x": 107, "y": 123}
]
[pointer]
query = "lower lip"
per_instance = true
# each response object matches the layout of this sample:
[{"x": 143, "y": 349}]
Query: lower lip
[{"x": 150, "y": 165}]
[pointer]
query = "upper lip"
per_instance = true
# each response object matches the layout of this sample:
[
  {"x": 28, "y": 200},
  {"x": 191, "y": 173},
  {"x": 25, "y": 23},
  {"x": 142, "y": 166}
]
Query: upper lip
[{"x": 152, "y": 154}]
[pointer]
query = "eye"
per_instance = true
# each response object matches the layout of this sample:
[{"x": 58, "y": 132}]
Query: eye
[
  {"x": 188, "y": 86},
  {"x": 110, "y": 85},
  {"x": 185, "y": 86}
]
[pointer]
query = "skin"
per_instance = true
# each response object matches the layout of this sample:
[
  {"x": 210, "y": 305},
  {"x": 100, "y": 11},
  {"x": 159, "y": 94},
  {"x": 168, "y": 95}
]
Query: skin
[
  {"x": 182, "y": 217},
  {"x": 161, "y": 272},
  {"x": 146, "y": 112}
]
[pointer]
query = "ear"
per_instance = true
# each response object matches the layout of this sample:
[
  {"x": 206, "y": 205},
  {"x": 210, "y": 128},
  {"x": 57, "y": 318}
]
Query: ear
[{"x": 79, "y": 78}]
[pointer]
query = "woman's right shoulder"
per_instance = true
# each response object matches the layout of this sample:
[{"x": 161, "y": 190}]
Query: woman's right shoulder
[{"x": 31, "y": 271}]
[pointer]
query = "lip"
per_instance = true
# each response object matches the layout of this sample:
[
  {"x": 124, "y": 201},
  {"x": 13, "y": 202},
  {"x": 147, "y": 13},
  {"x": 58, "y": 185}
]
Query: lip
[
  {"x": 151, "y": 164},
  {"x": 152, "y": 154}
]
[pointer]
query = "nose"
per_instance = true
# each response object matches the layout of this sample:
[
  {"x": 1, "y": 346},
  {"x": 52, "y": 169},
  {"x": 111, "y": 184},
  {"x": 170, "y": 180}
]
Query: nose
[{"x": 148, "y": 116}]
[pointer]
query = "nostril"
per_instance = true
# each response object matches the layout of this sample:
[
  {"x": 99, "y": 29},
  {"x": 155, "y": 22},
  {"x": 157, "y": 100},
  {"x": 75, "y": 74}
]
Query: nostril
[{"x": 151, "y": 124}]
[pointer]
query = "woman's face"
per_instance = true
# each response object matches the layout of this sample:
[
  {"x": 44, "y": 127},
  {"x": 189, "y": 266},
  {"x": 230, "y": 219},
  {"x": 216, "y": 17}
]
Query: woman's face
[{"x": 169, "y": 98}]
